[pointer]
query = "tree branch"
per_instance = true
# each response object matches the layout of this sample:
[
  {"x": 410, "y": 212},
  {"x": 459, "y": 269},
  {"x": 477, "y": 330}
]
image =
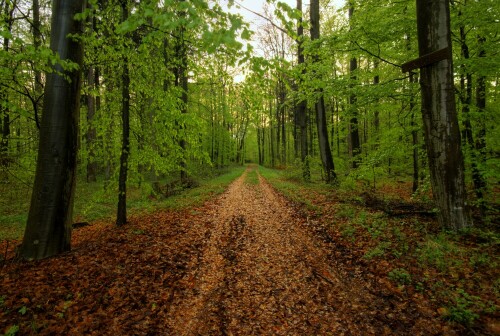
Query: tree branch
[
  {"x": 376, "y": 56},
  {"x": 267, "y": 19}
]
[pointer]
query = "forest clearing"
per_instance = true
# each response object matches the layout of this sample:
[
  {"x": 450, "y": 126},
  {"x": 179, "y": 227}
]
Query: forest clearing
[{"x": 243, "y": 167}]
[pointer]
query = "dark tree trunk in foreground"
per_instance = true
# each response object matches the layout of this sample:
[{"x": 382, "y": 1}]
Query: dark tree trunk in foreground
[
  {"x": 324, "y": 145},
  {"x": 48, "y": 231},
  {"x": 121, "y": 215},
  {"x": 442, "y": 134}
]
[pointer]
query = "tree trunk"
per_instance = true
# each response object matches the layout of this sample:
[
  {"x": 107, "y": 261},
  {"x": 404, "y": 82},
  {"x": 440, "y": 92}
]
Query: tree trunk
[
  {"x": 355, "y": 147},
  {"x": 121, "y": 215},
  {"x": 48, "y": 230},
  {"x": 4, "y": 109},
  {"x": 324, "y": 144},
  {"x": 301, "y": 107},
  {"x": 466, "y": 100},
  {"x": 91, "y": 135},
  {"x": 37, "y": 42},
  {"x": 414, "y": 142},
  {"x": 182, "y": 82},
  {"x": 442, "y": 135},
  {"x": 376, "y": 120},
  {"x": 479, "y": 181}
]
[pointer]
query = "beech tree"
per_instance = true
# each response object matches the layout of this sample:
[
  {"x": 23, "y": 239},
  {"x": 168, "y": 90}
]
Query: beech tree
[
  {"x": 319, "y": 105},
  {"x": 442, "y": 134},
  {"x": 301, "y": 104},
  {"x": 48, "y": 230},
  {"x": 121, "y": 215}
]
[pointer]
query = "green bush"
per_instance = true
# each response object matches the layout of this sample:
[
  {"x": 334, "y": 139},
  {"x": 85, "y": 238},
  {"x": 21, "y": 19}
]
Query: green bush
[{"x": 400, "y": 276}]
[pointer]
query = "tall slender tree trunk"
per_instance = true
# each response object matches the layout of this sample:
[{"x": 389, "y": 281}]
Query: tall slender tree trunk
[
  {"x": 355, "y": 147},
  {"x": 414, "y": 137},
  {"x": 442, "y": 134},
  {"x": 301, "y": 106},
  {"x": 376, "y": 119},
  {"x": 91, "y": 135},
  {"x": 467, "y": 133},
  {"x": 413, "y": 124},
  {"x": 283, "y": 123},
  {"x": 8, "y": 13},
  {"x": 479, "y": 180},
  {"x": 37, "y": 42},
  {"x": 48, "y": 230},
  {"x": 324, "y": 144},
  {"x": 182, "y": 82},
  {"x": 121, "y": 216}
]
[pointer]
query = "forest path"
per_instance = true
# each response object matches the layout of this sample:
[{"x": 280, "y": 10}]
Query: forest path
[
  {"x": 244, "y": 263},
  {"x": 261, "y": 272}
]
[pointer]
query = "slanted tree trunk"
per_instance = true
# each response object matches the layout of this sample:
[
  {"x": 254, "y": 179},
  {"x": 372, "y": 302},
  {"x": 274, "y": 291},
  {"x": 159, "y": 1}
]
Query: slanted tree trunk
[
  {"x": 324, "y": 144},
  {"x": 442, "y": 134},
  {"x": 48, "y": 230},
  {"x": 121, "y": 214}
]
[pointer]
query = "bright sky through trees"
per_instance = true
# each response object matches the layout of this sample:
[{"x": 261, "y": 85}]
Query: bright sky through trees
[{"x": 258, "y": 7}]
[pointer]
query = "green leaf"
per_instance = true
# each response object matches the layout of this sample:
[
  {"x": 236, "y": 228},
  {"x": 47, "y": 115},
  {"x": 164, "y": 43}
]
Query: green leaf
[
  {"x": 246, "y": 34},
  {"x": 12, "y": 330},
  {"x": 22, "y": 310}
]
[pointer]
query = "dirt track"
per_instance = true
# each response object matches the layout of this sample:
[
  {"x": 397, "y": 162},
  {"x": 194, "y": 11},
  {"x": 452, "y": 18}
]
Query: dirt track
[{"x": 261, "y": 272}]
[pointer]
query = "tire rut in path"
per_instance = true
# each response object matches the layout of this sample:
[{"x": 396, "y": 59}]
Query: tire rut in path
[{"x": 260, "y": 272}]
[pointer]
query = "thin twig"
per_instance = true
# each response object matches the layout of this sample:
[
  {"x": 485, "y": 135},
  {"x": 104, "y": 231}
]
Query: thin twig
[{"x": 377, "y": 56}]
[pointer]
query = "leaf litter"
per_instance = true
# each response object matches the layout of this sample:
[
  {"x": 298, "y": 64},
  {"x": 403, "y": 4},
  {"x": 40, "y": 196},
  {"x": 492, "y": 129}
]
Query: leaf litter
[{"x": 246, "y": 263}]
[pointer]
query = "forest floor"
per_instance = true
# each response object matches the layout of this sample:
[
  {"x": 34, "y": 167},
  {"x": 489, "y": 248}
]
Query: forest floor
[{"x": 245, "y": 263}]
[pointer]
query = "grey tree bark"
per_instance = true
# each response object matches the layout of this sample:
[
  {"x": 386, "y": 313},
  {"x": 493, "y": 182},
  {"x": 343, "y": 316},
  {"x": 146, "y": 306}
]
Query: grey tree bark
[
  {"x": 48, "y": 230},
  {"x": 442, "y": 134},
  {"x": 324, "y": 144}
]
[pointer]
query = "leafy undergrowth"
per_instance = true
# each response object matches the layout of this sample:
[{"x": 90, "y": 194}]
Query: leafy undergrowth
[
  {"x": 93, "y": 202},
  {"x": 390, "y": 238}
]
